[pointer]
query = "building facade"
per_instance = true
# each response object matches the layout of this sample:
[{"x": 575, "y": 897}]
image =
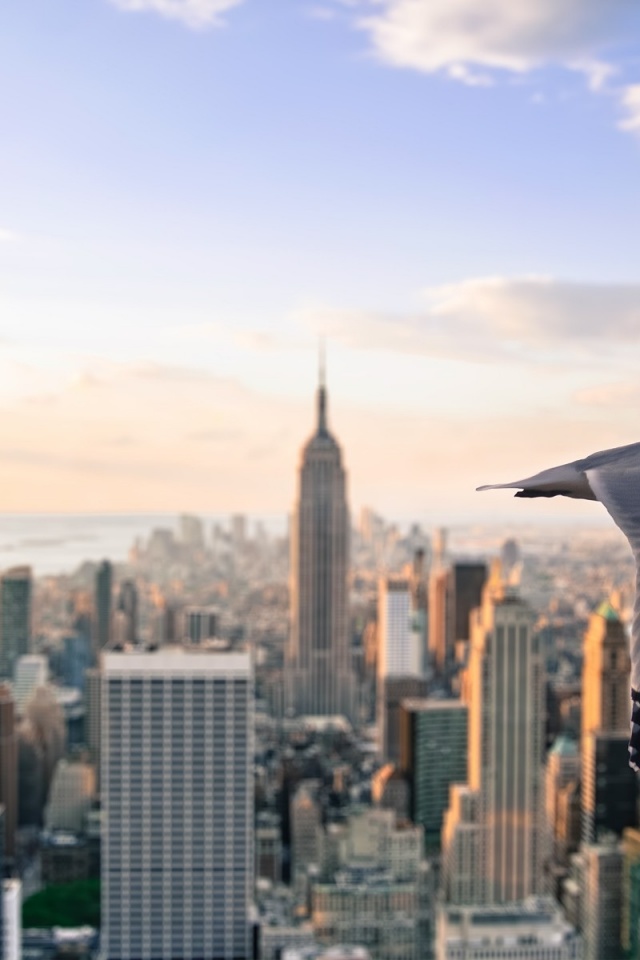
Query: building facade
[{"x": 177, "y": 791}]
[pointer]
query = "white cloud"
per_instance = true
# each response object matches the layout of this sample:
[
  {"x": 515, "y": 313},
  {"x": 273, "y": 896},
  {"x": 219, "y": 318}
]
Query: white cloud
[
  {"x": 630, "y": 101},
  {"x": 196, "y": 14},
  {"x": 7, "y": 236},
  {"x": 488, "y": 317},
  {"x": 512, "y": 35}
]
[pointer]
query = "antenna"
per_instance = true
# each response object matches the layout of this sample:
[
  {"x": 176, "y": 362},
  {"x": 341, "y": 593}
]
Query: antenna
[
  {"x": 322, "y": 361},
  {"x": 322, "y": 390}
]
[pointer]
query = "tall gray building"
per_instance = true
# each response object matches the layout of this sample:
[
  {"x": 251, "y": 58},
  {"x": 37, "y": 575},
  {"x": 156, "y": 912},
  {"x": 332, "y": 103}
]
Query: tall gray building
[
  {"x": 320, "y": 679},
  {"x": 15, "y": 617},
  {"x": 104, "y": 581},
  {"x": 177, "y": 791}
]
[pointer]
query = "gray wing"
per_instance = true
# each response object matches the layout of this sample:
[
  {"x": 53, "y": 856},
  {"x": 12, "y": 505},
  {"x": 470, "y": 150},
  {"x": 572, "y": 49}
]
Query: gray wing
[
  {"x": 617, "y": 486},
  {"x": 568, "y": 480}
]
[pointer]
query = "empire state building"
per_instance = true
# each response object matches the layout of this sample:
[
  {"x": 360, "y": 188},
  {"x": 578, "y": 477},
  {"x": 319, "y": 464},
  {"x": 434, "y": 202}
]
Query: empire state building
[{"x": 320, "y": 680}]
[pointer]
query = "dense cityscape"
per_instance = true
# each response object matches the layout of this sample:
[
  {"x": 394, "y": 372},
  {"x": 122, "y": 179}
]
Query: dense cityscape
[{"x": 356, "y": 741}]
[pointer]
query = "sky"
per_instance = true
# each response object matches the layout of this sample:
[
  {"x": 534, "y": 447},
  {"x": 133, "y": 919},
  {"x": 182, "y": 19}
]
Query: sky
[{"x": 192, "y": 192}]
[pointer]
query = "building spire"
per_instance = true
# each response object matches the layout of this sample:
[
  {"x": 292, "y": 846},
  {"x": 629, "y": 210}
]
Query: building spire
[{"x": 322, "y": 387}]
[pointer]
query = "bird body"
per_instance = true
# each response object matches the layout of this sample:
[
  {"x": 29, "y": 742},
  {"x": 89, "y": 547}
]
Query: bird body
[{"x": 613, "y": 478}]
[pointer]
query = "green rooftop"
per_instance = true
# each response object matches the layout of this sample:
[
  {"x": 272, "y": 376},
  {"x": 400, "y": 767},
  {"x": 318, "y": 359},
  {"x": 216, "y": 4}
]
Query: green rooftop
[{"x": 607, "y": 611}]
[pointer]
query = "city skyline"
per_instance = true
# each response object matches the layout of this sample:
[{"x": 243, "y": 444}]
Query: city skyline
[{"x": 453, "y": 205}]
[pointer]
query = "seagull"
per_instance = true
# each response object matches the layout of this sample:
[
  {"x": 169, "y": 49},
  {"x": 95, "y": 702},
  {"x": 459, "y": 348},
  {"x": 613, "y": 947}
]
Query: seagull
[{"x": 613, "y": 478}]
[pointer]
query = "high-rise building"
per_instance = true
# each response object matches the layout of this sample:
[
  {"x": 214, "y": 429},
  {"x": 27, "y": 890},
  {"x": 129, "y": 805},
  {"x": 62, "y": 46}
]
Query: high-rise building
[
  {"x": 461, "y": 843},
  {"x": 399, "y": 652},
  {"x": 433, "y": 755},
  {"x": 468, "y": 582},
  {"x": 177, "y": 792},
  {"x": 200, "y": 623},
  {"x": 305, "y": 817},
  {"x": 609, "y": 787},
  {"x": 320, "y": 679},
  {"x": 15, "y": 617},
  {"x": 103, "y": 604},
  {"x": 419, "y": 585},
  {"x": 92, "y": 725},
  {"x": 605, "y": 674},
  {"x": 2, "y": 829},
  {"x": 631, "y": 894},
  {"x": 11, "y": 919},
  {"x": 503, "y": 688},
  {"x": 602, "y": 870},
  {"x": 8, "y": 770},
  {"x": 441, "y": 614},
  {"x": 391, "y": 691},
  {"x": 399, "y": 660},
  {"x": 30, "y": 672},
  {"x": 563, "y": 768},
  {"x": 73, "y": 789},
  {"x": 128, "y": 612}
]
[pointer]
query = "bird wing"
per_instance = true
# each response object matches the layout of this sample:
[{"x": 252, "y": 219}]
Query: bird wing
[
  {"x": 617, "y": 486},
  {"x": 568, "y": 479}
]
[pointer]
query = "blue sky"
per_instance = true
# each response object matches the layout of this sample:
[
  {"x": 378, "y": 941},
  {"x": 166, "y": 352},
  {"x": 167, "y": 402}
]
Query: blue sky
[{"x": 192, "y": 190}]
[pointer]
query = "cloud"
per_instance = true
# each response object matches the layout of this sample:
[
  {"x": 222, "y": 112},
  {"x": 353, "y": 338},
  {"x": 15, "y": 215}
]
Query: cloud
[
  {"x": 444, "y": 35},
  {"x": 620, "y": 394},
  {"x": 197, "y": 14},
  {"x": 492, "y": 317},
  {"x": 8, "y": 236},
  {"x": 630, "y": 102}
]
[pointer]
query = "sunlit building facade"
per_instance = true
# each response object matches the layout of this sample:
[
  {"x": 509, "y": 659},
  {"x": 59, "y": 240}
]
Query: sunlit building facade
[{"x": 504, "y": 692}]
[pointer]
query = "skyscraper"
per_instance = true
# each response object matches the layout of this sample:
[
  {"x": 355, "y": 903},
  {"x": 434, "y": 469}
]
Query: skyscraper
[
  {"x": 8, "y": 770},
  {"x": 609, "y": 786},
  {"x": 318, "y": 664},
  {"x": 506, "y": 729},
  {"x": 177, "y": 790},
  {"x": 503, "y": 688},
  {"x": 441, "y": 617},
  {"x": 602, "y": 883},
  {"x": 468, "y": 581},
  {"x": 104, "y": 578},
  {"x": 399, "y": 653},
  {"x": 128, "y": 612},
  {"x": 2, "y": 829},
  {"x": 605, "y": 674},
  {"x": 15, "y": 617},
  {"x": 433, "y": 754},
  {"x": 399, "y": 661}
]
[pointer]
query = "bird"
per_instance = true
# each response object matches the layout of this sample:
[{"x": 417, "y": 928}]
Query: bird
[{"x": 613, "y": 478}]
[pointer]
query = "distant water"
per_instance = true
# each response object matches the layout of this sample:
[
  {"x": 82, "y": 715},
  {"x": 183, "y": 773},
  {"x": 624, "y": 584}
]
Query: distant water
[{"x": 59, "y": 543}]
